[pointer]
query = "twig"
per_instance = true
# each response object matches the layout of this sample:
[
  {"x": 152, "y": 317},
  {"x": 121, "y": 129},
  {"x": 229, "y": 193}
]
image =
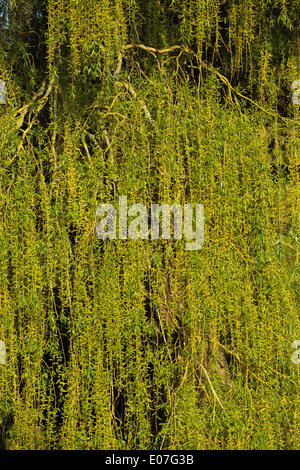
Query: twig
[
  {"x": 109, "y": 146},
  {"x": 132, "y": 91},
  {"x": 86, "y": 148},
  {"x": 119, "y": 65},
  {"x": 213, "y": 390}
]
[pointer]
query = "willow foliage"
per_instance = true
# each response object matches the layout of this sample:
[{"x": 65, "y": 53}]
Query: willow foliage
[{"x": 141, "y": 344}]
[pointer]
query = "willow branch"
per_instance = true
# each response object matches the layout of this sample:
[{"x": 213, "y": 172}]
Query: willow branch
[
  {"x": 119, "y": 65},
  {"x": 132, "y": 92},
  {"x": 153, "y": 49},
  {"x": 55, "y": 124},
  {"x": 23, "y": 111},
  {"x": 86, "y": 148},
  {"x": 206, "y": 66},
  {"x": 211, "y": 386},
  {"x": 130, "y": 89},
  {"x": 25, "y": 108},
  {"x": 109, "y": 146}
]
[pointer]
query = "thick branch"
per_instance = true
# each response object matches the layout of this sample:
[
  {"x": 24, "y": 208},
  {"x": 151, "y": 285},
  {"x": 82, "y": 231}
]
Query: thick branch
[
  {"x": 25, "y": 108},
  {"x": 23, "y": 111},
  {"x": 153, "y": 49}
]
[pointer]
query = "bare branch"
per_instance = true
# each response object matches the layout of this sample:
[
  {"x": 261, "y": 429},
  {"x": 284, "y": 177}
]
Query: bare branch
[
  {"x": 153, "y": 49},
  {"x": 25, "y": 108},
  {"x": 119, "y": 65},
  {"x": 86, "y": 148},
  {"x": 109, "y": 146},
  {"x": 213, "y": 390},
  {"x": 34, "y": 112},
  {"x": 132, "y": 91}
]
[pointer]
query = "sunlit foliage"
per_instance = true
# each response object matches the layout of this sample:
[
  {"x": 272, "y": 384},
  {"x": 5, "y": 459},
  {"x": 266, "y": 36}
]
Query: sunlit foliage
[{"x": 125, "y": 344}]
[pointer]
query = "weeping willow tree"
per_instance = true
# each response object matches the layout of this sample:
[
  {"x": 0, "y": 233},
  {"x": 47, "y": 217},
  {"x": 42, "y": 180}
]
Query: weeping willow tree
[{"x": 141, "y": 344}]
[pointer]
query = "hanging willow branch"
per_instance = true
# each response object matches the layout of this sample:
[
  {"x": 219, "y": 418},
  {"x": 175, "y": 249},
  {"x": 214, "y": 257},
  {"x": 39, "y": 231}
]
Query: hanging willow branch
[
  {"x": 132, "y": 91},
  {"x": 201, "y": 63}
]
